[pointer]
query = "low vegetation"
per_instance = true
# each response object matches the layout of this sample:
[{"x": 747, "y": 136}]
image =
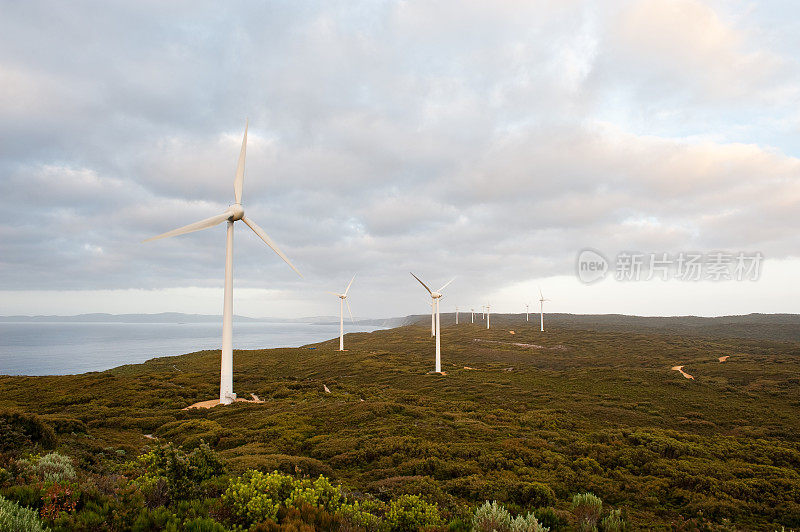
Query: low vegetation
[{"x": 569, "y": 430}]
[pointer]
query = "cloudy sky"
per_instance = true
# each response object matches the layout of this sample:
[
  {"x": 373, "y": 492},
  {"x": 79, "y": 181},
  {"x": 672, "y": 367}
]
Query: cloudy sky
[{"x": 491, "y": 141}]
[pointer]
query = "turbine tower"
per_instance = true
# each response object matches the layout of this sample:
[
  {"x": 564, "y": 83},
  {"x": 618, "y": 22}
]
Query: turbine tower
[
  {"x": 342, "y": 301},
  {"x": 456, "y": 315},
  {"x": 435, "y": 297},
  {"x": 232, "y": 214},
  {"x": 472, "y": 310},
  {"x": 541, "y": 309},
  {"x": 487, "y": 315},
  {"x": 526, "y": 312}
]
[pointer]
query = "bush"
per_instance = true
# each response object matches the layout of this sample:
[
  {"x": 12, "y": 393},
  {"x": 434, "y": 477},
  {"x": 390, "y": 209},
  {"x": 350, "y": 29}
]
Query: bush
[
  {"x": 257, "y": 497},
  {"x": 18, "y": 431},
  {"x": 587, "y": 507},
  {"x": 490, "y": 517},
  {"x": 54, "y": 468},
  {"x": 411, "y": 512},
  {"x": 495, "y": 518},
  {"x": 66, "y": 425},
  {"x": 535, "y": 495},
  {"x": 551, "y": 518},
  {"x": 58, "y": 499},
  {"x": 19, "y": 519},
  {"x": 321, "y": 493},
  {"x": 613, "y": 522},
  {"x": 168, "y": 473}
]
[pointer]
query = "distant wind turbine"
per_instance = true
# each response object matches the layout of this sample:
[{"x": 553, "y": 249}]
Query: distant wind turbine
[
  {"x": 456, "y": 315},
  {"x": 433, "y": 318},
  {"x": 487, "y": 315},
  {"x": 472, "y": 310},
  {"x": 541, "y": 308},
  {"x": 232, "y": 214},
  {"x": 435, "y": 297},
  {"x": 526, "y": 312},
  {"x": 342, "y": 301}
]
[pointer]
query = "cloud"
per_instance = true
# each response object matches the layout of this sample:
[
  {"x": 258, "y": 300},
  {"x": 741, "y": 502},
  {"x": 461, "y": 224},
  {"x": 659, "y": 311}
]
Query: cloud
[{"x": 490, "y": 139}]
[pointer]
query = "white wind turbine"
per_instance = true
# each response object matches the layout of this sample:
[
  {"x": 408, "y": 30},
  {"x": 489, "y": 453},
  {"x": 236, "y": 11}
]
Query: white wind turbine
[
  {"x": 342, "y": 301},
  {"x": 456, "y": 315},
  {"x": 435, "y": 297},
  {"x": 433, "y": 318},
  {"x": 472, "y": 310},
  {"x": 232, "y": 214},
  {"x": 527, "y": 309},
  {"x": 487, "y": 315},
  {"x": 541, "y": 309}
]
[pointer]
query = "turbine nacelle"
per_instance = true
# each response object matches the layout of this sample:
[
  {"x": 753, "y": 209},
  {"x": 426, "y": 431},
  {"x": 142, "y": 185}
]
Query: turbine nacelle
[{"x": 236, "y": 212}]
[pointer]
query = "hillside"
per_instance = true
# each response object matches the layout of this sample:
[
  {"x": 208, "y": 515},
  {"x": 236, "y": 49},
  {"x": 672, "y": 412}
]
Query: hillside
[{"x": 584, "y": 407}]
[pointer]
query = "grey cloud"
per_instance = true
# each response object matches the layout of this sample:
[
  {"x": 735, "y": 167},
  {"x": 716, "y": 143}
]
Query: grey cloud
[{"x": 440, "y": 137}]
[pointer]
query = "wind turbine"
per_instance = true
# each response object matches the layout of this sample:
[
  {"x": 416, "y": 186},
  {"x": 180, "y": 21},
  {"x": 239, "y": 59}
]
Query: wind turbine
[
  {"x": 526, "y": 312},
  {"x": 487, "y": 315},
  {"x": 232, "y": 214},
  {"x": 435, "y": 297},
  {"x": 541, "y": 308},
  {"x": 433, "y": 318},
  {"x": 456, "y": 315},
  {"x": 342, "y": 301},
  {"x": 472, "y": 310}
]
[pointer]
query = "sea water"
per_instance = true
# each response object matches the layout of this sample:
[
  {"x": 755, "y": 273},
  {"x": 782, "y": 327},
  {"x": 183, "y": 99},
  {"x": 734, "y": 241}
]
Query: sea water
[{"x": 45, "y": 348}]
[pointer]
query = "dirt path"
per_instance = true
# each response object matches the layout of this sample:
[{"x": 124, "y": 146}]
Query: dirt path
[
  {"x": 723, "y": 359},
  {"x": 680, "y": 369},
  {"x": 214, "y": 402},
  {"x": 519, "y": 344}
]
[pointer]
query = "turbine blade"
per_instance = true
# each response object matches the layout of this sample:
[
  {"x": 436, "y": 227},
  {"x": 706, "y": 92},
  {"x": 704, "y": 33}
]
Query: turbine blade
[
  {"x": 202, "y": 224},
  {"x": 445, "y": 284},
  {"x": 333, "y": 293},
  {"x": 423, "y": 284},
  {"x": 540, "y": 292},
  {"x": 239, "y": 181},
  {"x": 349, "y": 284},
  {"x": 350, "y": 312},
  {"x": 260, "y": 232}
]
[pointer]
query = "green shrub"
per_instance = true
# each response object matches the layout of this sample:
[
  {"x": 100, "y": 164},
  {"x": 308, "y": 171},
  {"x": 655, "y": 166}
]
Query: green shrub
[
  {"x": 551, "y": 518},
  {"x": 18, "y": 431},
  {"x": 202, "y": 524},
  {"x": 411, "y": 512},
  {"x": 25, "y": 495},
  {"x": 490, "y": 517},
  {"x": 168, "y": 473},
  {"x": 535, "y": 495},
  {"x": 362, "y": 515},
  {"x": 587, "y": 507},
  {"x": 613, "y": 522},
  {"x": 159, "y": 519},
  {"x": 65, "y": 425},
  {"x": 5, "y": 476},
  {"x": 55, "y": 468},
  {"x": 493, "y": 517},
  {"x": 257, "y": 496},
  {"x": 19, "y": 519},
  {"x": 321, "y": 493}
]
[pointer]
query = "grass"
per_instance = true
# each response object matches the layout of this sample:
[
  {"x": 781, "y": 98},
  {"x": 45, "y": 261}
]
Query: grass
[{"x": 591, "y": 408}]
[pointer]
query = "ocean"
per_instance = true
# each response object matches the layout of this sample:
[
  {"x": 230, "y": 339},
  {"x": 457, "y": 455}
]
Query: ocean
[{"x": 55, "y": 348}]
